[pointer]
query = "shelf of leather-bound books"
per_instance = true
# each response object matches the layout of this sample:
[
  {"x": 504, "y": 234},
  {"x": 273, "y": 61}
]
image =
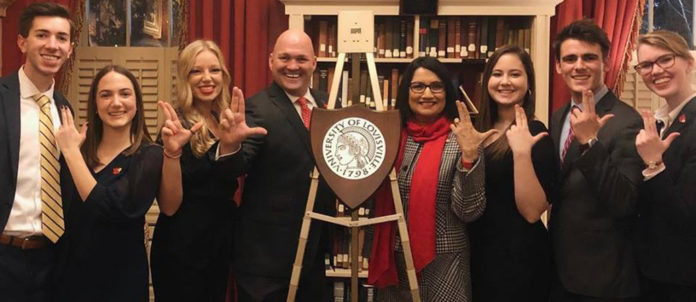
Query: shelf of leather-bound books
[
  {"x": 405, "y": 61},
  {"x": 463, "y": 43},
  {"x": 463, "y": 34},
  {"x": 339, "y": 263}
]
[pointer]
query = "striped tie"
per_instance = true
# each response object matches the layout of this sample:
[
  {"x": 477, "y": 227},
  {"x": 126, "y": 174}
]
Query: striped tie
[
  {"x": 51, "y": 205},
  {"x": 566, "y": 145}
]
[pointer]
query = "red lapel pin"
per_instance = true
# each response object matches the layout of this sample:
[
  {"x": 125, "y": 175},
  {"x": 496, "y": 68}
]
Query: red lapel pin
[
  {"x": 116, "y": 170},
  {"x": 682, "y": 118}
]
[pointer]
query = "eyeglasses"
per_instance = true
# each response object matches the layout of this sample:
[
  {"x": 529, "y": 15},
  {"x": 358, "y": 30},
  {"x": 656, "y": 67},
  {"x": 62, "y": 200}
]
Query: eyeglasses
[
  {"x": 664, "y": 61},
  {"x": 419, "y": 87}
]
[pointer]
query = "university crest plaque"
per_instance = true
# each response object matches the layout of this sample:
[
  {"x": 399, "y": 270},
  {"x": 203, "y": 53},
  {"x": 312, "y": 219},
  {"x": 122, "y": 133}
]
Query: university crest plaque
[{"x": 354, "y": 149}]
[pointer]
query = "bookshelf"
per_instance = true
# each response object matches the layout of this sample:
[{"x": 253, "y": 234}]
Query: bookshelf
[
  {"x": 537, "y": 14},
  {"x": 526, "y": 23}
]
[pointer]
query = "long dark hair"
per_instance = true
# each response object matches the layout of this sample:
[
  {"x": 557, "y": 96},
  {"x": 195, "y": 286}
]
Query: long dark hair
[
  {"x": 138, "y": 131},
  {"x": 488, "y": 111},
  {"x": 438, "y": 69}
]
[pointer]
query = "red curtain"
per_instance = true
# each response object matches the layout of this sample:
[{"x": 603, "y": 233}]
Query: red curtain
[
  {"x": 245, "y": 31},
  {"x": 619, "y": 19}
]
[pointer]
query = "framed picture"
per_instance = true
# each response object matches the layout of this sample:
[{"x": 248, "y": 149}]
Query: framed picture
[
  {"x": 152, "y": 23},
  {"x": 149, "y": 23},
  {"x": 107, "y": 23}
]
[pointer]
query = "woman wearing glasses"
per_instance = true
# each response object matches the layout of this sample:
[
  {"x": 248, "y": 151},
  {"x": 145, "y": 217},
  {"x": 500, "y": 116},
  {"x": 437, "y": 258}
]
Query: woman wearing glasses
[
  {"x": 440, "y": 174},
  {"x": 510, "y": 245},
  {"x": 666, "y": 231}
]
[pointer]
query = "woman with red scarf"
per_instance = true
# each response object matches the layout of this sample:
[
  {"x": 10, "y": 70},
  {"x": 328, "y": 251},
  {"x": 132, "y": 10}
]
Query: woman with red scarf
[{"x": 441, "y": 181}]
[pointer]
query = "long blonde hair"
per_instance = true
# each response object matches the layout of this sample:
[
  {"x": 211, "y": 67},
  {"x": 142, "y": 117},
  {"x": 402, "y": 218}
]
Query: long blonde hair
[{"x": 201, "y": 140}]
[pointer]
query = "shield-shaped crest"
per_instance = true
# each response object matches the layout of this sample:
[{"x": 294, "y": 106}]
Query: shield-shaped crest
[{"x": 354, "y": 149}]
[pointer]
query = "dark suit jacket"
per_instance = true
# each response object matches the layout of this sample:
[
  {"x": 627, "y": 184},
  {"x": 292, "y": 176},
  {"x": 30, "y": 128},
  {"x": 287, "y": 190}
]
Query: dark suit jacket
[
  {"x": 9, "y": 140},
  {"x": 278, "y": 168},
  {"x": 666, "y": 236},
  {"x": 592, "y": 218}
]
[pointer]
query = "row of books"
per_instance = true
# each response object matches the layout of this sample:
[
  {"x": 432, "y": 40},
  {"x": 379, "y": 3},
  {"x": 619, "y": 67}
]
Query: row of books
[
  {"x": 342, "y": 240},
  {"x": 361, "y": 93},
  {"x": 442, "y": 37},
  {"x": 323, "y": 31},
  {"x": 471, "y": 37},
  {"x": 341, "y": 291},
  {"x": 469, "y": 88},
  {"x": 394, "y": 37}
]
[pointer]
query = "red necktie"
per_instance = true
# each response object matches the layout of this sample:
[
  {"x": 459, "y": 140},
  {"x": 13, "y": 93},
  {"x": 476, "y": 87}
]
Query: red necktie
[
  {"x": 568, "y": 141},
  {"x": 306, "y": 113}
]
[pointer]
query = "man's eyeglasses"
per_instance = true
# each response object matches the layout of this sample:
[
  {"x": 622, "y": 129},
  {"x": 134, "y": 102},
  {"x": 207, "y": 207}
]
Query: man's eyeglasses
[
  {"x": 419, "y": 87},
  {"x": 664, "y": 61}
]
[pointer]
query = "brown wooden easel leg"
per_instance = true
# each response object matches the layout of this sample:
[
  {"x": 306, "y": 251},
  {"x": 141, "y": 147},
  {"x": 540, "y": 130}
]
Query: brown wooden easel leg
[
  {"x": 304, "y": 234},
  {"x": 405, "y": 241}
]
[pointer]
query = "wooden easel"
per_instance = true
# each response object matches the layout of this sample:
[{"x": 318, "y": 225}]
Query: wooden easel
[{"x": 354, "y": 223}]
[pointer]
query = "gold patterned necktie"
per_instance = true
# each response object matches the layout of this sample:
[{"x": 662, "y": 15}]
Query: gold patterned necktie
[{"x": 51, "y": 202}]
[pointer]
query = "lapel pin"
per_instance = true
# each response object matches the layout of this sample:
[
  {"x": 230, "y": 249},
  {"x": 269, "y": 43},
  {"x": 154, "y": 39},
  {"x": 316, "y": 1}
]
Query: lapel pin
[
  {"x": 116, "y": 170},
  {"x": 682, "y": 118}
]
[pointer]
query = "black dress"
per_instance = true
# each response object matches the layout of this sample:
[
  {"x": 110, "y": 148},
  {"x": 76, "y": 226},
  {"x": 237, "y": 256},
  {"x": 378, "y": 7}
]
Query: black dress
[
  {"x": 102, "y": 253},
  {"x": 191, "y": 249},
  {"x": 510, "y": 257}
]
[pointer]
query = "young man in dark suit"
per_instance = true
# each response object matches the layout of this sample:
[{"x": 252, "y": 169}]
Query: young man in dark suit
[
  {"x": 592, "y": 217},
  {"x": 31, "y": 216},
  {"x": 278, "y": 167}
]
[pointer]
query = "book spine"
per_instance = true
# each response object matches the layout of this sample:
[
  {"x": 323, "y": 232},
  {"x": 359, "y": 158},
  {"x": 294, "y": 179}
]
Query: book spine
[
  {"x": 451, "y": 31},
  {"x": 442, "y": 39},
  {"x": 323, "y": 32}
]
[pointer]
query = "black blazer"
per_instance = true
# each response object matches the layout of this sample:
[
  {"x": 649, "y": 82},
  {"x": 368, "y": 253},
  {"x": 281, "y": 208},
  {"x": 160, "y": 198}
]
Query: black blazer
[
  {"x": 591, "y": 220},
  {"x": 666, "y": 236},
  {"x": 9, "y": 140},
  {"x": 278, "y": 168}
]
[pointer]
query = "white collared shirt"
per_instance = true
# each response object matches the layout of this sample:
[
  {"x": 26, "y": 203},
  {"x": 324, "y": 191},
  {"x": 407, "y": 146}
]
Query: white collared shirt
[
  {"x": 668, "y": 117},
  {"x": 308, "y": 96},
  {"x": 25, "y": 216},
  {"x": 566, "y": 121}
]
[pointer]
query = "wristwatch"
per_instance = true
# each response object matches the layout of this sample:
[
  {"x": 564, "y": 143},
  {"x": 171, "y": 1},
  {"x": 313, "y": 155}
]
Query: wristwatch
[
  {"x": 590, "y": 142},
  {"x": 652, "y": 165}
]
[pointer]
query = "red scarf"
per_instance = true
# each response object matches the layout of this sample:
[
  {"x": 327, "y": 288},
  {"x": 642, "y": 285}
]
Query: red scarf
[{"x": 421, "y": 204}]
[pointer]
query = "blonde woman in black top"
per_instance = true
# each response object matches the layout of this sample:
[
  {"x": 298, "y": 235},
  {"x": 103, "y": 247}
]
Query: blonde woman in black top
[{"x": 192, "y": 244}]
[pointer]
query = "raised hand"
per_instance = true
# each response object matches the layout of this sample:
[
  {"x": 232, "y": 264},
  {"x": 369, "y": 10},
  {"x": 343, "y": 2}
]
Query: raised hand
[
  {"x": 519, "y": 138},
  {"x": 467, "y": 137},
  {"x": 67, "y": 136},
  {"x": 648, "y": 143},
  {"x": 174, "y": 135},
  {"x": 233, "y": 126},
  {"x": 585, "y": 122}
]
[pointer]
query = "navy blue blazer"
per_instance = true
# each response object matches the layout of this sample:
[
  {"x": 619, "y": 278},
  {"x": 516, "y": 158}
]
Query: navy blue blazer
[{"x": 9, "y": 140}]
